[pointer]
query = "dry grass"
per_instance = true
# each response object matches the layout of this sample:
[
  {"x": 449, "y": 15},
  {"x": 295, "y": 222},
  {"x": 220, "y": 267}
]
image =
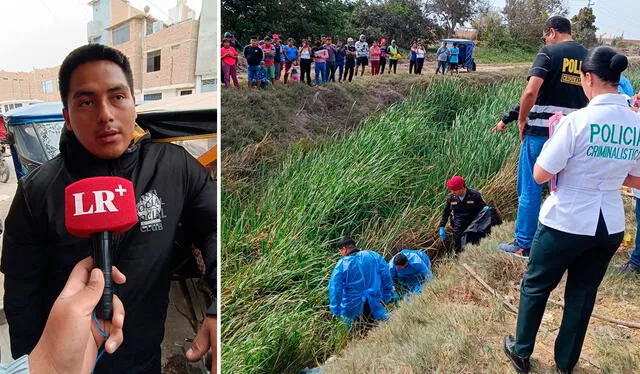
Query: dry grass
[{"x": 456, "y": 326}]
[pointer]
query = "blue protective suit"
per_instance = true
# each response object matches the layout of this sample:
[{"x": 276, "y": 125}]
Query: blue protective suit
[
  {"x": 360, "y": 276},
  {"x": 625, "y": 87},
  {"x": 417, "y": 272}
]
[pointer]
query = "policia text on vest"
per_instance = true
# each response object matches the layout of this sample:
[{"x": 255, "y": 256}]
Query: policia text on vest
[
  {"x": 571, "y": 71},
  {"x": 614, "y": 135}
]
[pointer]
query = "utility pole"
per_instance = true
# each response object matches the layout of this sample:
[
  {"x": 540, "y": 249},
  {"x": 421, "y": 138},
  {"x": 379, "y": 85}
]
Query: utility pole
[{"x": 590, "y": 5}]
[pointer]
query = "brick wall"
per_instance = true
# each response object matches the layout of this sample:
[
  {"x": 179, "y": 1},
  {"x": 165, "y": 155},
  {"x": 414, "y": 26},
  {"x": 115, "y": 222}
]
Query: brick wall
[
  {"x": 28, "y": 85},
  {"x": 177, "y": 45},
  {"x": 120, "y": 11}
]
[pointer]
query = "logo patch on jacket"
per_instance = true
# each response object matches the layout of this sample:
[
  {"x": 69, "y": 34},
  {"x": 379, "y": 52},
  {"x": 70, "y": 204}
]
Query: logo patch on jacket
[{"x": 150, "y": 212}]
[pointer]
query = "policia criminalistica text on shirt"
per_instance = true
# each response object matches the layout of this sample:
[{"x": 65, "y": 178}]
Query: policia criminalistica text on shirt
[{"x": 581, "y": 223}]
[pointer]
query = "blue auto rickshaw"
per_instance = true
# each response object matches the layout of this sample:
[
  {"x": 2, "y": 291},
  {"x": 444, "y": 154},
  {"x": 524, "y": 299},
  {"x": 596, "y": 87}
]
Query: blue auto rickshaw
[
  {"x": 33, "y": 133},
  {"x": 465, "y": 57}
]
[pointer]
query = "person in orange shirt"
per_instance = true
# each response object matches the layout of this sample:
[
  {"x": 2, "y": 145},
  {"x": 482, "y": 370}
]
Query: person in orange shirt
[
  {"x": 374, "y": 57},
  {"x": 229, "y": 57}
]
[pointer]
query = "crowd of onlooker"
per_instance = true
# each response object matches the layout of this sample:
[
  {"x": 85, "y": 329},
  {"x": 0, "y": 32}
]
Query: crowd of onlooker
[{"x": 270, "y": 60}]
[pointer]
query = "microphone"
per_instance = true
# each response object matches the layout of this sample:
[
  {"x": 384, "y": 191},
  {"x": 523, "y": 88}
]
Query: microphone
[{"x": 98, "y": 208}]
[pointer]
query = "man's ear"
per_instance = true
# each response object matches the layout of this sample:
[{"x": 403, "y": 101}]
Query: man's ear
[{"x": 67, "y": 122}]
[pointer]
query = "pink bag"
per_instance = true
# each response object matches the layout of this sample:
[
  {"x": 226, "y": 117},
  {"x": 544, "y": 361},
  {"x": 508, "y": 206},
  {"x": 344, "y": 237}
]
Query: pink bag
[{"x": 553, "y": 183}]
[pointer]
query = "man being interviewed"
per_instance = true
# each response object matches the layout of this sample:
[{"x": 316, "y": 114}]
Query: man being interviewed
[{"x": 101, "y": 138}]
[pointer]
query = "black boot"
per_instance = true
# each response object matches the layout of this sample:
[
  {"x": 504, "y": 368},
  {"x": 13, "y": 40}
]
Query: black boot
[
  {"x": 522, "y": 365},
  {"x": 561, "y": 371}
]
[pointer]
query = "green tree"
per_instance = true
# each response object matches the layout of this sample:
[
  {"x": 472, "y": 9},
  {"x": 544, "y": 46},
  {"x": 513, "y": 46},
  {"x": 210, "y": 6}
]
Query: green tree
[
  {"x": 453, "y": 12},
  {"x": 290, "y": 18},
  {"x": 402, "y": 20},
  {"x": 492, "y": 29},
  {"x": 583, "y": 28},
  {"x": 525, "y": 18}
]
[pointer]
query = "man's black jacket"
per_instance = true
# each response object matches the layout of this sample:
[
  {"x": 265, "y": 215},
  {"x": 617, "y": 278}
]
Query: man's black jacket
[
  {"x": 38, "y": 253},
  {"x": 464, "y": 212}
]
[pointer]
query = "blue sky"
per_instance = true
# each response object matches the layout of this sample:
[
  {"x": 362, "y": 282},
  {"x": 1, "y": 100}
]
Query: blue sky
[{"x": 613, "y": 17}]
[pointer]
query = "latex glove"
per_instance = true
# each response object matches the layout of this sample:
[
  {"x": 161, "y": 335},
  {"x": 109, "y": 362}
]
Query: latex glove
[
  {"x": 443, "y": 235},
  {"x": 486, "y": 207}
]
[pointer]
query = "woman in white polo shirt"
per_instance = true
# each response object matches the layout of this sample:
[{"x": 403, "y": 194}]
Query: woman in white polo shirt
[{"x": 593, "y": 152}]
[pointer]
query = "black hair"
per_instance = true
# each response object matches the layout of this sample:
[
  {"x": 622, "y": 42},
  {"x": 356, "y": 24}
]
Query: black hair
[
  {"x": 455, "y": 45},
  {"x": 90, "y": 53},
  {"x": 400, "y": 259},
  {"x": 346, "y": 241},
  {"x": 558, "y": 23},
  {"x": 255, "y": 38},
  {"x": 318, "y": 43},
  {"x": 268, "y": 38},
  {"x": 606, "y": 63}
]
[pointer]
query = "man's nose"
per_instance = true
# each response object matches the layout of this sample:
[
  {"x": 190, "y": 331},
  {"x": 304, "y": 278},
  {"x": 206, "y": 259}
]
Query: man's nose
[{"x": 105, "y": 111}]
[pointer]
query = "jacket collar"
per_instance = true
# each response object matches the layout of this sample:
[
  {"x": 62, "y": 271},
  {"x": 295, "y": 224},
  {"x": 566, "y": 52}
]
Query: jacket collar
[
  {"x": 609, "y": 99},
  {"x": 80, "y": 163}
]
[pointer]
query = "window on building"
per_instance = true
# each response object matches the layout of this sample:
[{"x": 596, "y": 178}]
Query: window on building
[
  {"x": 149, "y": 28},
  {"x": 18, "y": 105},
  {"x": 47, "y": 86},
  {"x": 121, "y": 34},
  {"x": 151, "y": 97},
  {"x": 208, "y": 85},
  {"x": 153, "y": 61},
  {"x": 186, "y": 92}
]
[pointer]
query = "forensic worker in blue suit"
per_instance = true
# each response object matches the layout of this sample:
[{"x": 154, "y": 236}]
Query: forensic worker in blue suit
[
  {"x": 359, "y": 285},
  {"x": 411, "y": 268}
]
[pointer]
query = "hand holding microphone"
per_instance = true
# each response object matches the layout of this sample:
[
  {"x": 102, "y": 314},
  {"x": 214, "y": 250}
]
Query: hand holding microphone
[{"x": 98, "y": 208}]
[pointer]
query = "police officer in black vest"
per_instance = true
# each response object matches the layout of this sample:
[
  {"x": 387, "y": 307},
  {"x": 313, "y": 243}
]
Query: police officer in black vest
[{"x": 465, "y": 204}]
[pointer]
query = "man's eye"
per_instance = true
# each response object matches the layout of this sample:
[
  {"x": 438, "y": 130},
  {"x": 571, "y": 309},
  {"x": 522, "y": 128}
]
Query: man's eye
[
  {"x": 119, "y": 97},
  {"x": 85, "y": 102}
]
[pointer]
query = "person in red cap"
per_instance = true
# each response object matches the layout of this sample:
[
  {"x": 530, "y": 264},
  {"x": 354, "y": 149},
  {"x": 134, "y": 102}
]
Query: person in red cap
[
  {"x": 465, "y": 204},
  {"x": 383, "y": 55}
]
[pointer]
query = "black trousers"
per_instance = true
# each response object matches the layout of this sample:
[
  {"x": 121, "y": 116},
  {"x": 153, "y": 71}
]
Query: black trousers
[
  {"x": 348, "y": 72},
  {"x": 305, "y": 69},
  {"x": 585, "y": 258},
  {"x": 394, "y": 64},
  {"x": 331, "y": 71},
  {"x": 419, "y": 64},
  {"x": 412, "y": 64},
  {"x": 457, "y": 238},
  {"x": 383, "y": 63}
]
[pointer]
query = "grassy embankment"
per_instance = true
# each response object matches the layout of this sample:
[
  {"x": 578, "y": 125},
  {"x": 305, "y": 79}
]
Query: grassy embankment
[
  {"x": 457, "y": 326},
  {"x": 490, "y": 56},
  {"x": 277, "y": 240},
  {"x": 382, "y": 184}
]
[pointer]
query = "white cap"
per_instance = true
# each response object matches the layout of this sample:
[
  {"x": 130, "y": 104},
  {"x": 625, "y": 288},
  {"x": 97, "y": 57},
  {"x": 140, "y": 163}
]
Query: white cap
[{"x": 349, "y": 40}]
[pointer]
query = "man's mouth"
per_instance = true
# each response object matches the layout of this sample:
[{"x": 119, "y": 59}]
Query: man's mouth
[{"x": 108, "y": 136}]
